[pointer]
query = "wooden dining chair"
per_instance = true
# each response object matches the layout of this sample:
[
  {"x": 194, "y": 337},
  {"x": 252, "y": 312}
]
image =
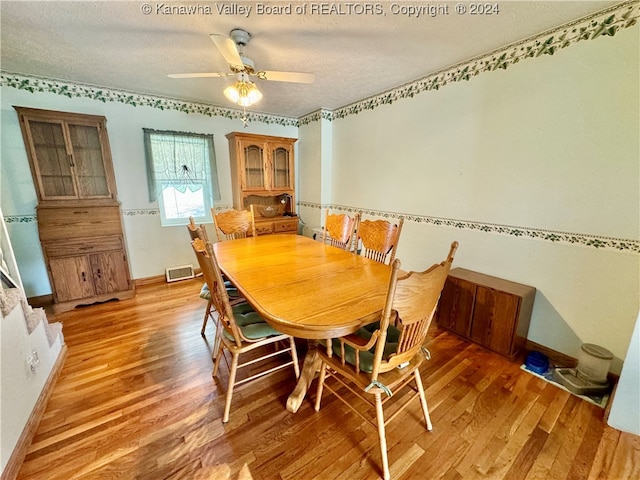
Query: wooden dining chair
[
  {"x": 235, "y": 297},
  {"x": 339, "y": 229},
  {"x": 242, "y": 331},
  {"x": 384, "y": 357},
  {"x": 233, "y": 224},
  {"x": 197, "y": 231},
  {"x": 378, "y": 239}
]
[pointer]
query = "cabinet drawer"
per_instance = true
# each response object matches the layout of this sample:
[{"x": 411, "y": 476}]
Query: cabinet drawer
[
  {"x": 81, "y": 246},
  {"x": 285, "y": 226},
  {"x": 264, "y": 228},
  {"x": 72, "y": 222}
]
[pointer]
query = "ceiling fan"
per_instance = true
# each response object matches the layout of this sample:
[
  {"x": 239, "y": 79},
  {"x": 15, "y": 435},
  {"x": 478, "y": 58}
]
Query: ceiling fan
[{"x": 243, "y": 92}]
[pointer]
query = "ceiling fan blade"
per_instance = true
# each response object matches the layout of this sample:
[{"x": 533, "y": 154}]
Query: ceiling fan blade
[
  {"x": 296, "y": 77},
  {"x": 228, "y": 49},
  {"x": 198, "y": 75}
]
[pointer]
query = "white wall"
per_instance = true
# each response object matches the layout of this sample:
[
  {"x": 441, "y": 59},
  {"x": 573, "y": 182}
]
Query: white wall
[
  {"x": 20, "y": 386},
  {"x": 20, "y": 389},
  {"x": 625, "y": 409},
  {"x": 315, "y": 160},
  {"x": 551, "y": 143},
  {"x": 151, "y": 247}
]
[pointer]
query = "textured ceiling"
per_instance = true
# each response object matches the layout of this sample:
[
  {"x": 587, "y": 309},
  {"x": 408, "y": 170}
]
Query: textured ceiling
[{"x": 353, "y": 54}]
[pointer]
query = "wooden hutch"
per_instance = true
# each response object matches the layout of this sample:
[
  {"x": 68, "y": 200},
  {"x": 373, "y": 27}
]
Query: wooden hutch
[
  {"x": 79, "y": 216},
  {"x": 262, "y": 174}
]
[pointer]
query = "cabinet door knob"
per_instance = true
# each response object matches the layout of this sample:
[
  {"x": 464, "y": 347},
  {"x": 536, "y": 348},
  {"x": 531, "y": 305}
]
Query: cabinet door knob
[{"x": 84, "y": 277}]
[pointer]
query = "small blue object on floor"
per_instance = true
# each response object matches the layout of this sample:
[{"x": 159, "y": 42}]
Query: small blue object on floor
[{"x": 537, "y": 363}]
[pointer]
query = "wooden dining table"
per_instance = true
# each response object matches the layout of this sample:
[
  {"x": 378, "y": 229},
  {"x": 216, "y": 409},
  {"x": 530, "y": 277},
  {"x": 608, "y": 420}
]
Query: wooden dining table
[{"x": 306, "y": 289}]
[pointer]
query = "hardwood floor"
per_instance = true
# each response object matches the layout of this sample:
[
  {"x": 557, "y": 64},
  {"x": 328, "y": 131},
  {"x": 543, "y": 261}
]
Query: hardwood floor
[{"x": 136, "y": 400}]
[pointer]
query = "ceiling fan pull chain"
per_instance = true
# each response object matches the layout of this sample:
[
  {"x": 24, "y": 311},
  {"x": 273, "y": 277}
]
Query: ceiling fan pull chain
[{"x": 245, "y": 120}]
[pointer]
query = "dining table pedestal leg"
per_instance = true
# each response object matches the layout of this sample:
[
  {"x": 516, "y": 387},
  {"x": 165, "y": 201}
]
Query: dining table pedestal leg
[{"x": 309, "y": 368}]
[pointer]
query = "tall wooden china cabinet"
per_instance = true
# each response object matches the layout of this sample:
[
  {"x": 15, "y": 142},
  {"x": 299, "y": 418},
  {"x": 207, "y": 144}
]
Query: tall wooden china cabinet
[
  {"x": 262, "y": 171},
  {"x": 79, "y": 216}
]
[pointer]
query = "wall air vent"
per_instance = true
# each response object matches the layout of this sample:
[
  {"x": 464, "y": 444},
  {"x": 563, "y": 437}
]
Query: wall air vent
[{"x": 182, "y": 272}]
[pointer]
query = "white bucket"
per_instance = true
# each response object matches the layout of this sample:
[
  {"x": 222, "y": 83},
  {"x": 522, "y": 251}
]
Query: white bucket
[{"x": 593, "y": 363}]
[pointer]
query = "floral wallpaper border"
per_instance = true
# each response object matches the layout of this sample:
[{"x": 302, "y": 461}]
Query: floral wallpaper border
[
  {"x": 316, "y": 116},
  {"x": 136, "y": 212},
  {"x": 19, "y": 219},
  {"x": 37, "y": 84},
  {"x": 604, "y": 23},
  {"x": 594, "y": 241},
  {"x": 155, "y": 211}
]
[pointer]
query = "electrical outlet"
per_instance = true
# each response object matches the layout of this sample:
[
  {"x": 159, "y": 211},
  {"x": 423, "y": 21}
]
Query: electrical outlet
[{"x": 33, "y": 361}]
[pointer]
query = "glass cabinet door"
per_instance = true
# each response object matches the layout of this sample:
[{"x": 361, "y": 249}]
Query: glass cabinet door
[
  {"x": 262, "y": 173},
  {"x": 254, "y": 166},
  {"x": 52, "y": 159},
  {"x": 69, "y": 160},
  {"x": 87, "y": 161},
  {"x": 281, "y": 168}
]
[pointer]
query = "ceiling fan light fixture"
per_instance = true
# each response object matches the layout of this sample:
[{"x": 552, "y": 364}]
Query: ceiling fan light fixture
[{"x": 243, "y": 92}]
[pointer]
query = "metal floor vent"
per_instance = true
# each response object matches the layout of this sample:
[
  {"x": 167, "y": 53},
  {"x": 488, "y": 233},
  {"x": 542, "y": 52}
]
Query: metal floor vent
[{"x": 179, "y": 273}]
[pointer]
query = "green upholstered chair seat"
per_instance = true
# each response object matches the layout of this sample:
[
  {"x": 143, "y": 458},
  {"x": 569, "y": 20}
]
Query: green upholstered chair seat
[
  {"x": 241, "y": 309},
  {"x": 366, "y": 358},
  {"x": 252, "y": 326},
  {"x": 231, "y": 291}
]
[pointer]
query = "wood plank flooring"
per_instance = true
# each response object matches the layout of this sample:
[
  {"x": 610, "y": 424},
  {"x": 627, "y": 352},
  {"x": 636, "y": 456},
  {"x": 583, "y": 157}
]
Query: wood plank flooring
[{"x": 136, "y": 400}]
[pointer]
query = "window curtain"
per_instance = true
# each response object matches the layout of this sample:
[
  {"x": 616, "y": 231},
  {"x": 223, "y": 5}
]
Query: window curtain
[{"x": 183, "y": 160}]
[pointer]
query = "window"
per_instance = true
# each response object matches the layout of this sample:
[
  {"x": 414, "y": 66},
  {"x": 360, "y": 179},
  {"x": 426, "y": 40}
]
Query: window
[{"x": 181, "y": 173}]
